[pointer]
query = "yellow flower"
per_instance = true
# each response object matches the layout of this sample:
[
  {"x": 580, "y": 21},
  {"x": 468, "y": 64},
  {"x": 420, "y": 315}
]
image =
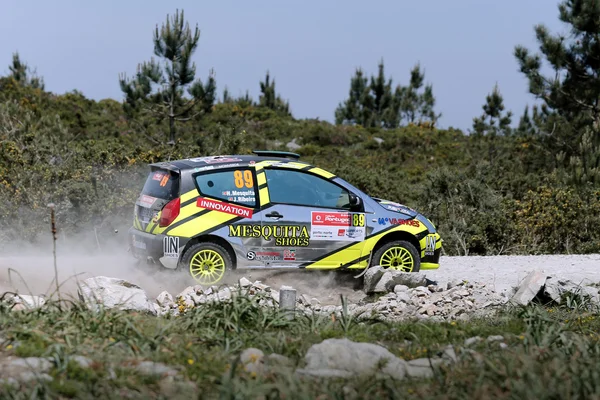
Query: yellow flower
[
  {"x": 9, "y": 347},
  {"x": 190, "y": 361},
  {"x": 111, "y": 339}
]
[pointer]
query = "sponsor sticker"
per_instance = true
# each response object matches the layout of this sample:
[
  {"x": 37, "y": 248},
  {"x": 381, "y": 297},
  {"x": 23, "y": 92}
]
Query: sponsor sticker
[
  {"x": 430, "y": 242},
  {"x": 264, "y": 255},
  {"x": 215, "y": 159},
  {"x": 289, "y": 255},
  {"x": 240, "y": 196},
  {"x": 147, "y": 201},
  {"x": 215, "y": 205},
  {"x": 171, "y": 246},
  {"x": 399, "y": 221},
  {"x": 284, "y": 235},
  {"x": 339, "y": 226},
  {"x": 198, "y": 169},
  {"x": 157, "y": 176}
]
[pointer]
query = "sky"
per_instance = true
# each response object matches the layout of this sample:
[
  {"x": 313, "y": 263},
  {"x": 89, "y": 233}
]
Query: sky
[{"x": 311, "y": 48}]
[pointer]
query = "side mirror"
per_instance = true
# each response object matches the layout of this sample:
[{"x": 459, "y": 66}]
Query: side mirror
[{"x": 355, "y": 201}]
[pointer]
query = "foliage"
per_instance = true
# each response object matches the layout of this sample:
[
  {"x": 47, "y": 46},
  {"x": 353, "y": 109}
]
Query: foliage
[
  {"x": 270, "y": 99},
  {"x": 571, "y": 93},
  {"x": 474, "y": 217},
  {"x": 176, "y": 44},
  {"x": 559, "y": 220},
  {"x": 492, "y": 121},
  {"x": 374, "y": 104},
  {"x": 23, "y": 75}
]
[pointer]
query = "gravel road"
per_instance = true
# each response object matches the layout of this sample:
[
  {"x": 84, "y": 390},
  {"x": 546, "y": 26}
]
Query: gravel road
[
  {"x": 499, "y": 272},
  {"x": 503, "y": 272}
]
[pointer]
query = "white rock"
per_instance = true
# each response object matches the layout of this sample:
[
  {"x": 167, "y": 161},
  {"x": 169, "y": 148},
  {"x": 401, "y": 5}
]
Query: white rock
[
  {"x": 472, "y": 340},
  {"x": 28, "y": 300},
  {"x": 404, "y": 297},
  {"x": 371, "y": 278},
  {"x": 155, "y": 368},
  {"x": 422, "y": 367},
  {"x": 164, "y": 299},
  {"x": 244, "y": 282},
  {"x": 114, "y": 293},
  {"x": 15, "y": 370},
  {"x": 348, "y": 359},
  {"x": 187, "y": 292},
  {"x": 529, "y": 288},
  {"x": 400, "y": 289},
  {"x": 82, "y": 361},
  {"x": 224, "y": 294}
]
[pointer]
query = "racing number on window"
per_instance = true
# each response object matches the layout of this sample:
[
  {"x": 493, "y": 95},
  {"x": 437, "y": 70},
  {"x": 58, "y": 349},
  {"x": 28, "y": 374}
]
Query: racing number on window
[
  {"x": 358, "y": 219},
  {"x": 164, "y": 180},
  {"x": 243, "y": 179}
]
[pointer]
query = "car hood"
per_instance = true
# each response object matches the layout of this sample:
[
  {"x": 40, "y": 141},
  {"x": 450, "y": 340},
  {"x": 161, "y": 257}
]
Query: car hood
[{"x": 396, "y": 207}]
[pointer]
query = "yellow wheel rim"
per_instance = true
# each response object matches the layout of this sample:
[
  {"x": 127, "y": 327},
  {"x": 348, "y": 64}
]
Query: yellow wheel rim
[
  {"x": 207, "y": 267},
  {"x": 397, "y": 258}
]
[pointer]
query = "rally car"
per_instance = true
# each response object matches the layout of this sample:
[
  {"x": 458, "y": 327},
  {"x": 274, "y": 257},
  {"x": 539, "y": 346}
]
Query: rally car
[{"x": 208, "y": 215}]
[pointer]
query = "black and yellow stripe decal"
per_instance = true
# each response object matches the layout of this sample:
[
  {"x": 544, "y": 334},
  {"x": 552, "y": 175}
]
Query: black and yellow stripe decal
[
  {"x": 365, "y": 247},
  {"x": 296, "y": 166}
]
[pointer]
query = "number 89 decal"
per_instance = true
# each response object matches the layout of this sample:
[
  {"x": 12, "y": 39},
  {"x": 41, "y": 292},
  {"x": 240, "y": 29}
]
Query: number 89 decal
[
  {"x": 358, "y": 220},
  {"x": 243, "y": 179}
]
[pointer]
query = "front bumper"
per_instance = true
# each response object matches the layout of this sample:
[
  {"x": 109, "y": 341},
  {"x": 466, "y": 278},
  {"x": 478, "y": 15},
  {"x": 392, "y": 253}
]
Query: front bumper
[
  {"x": 151, "y": 248},
  {"x": 432, "y": 261}
]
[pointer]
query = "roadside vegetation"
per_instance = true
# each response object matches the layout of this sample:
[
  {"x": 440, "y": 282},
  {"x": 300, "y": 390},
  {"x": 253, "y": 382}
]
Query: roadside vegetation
[{"x": 542, "y": 352}]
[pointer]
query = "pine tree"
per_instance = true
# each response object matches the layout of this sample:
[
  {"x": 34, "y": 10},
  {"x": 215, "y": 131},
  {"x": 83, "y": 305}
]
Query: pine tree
[
  {"x": 351, "y": 110},
  {"x": 269, "y": 97},
  {"x": 159, "y": 89},
  {"x": 493, "y": 122},
  {"x": 526, "y": 125},
  {"x": 572, "y": 93},
  {"x": 23, "y": 74},
  {"x": 226, "y": 96},
  {"x": 374, "y": 103}
]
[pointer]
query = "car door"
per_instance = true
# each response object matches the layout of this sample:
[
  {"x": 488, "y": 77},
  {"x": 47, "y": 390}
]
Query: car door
[{"x": 309, "y": 222}]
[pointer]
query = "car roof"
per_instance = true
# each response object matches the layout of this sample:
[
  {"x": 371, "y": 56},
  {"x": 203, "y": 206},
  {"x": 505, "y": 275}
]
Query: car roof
[{"x": 218, "y": 161}]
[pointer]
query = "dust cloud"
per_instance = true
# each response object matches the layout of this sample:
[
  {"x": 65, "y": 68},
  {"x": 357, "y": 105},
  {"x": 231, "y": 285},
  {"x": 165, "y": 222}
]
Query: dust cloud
[{"x": 29, "y": 269}]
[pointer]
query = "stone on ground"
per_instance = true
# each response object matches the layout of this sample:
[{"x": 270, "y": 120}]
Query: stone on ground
[{"x": 102, "y": 291}]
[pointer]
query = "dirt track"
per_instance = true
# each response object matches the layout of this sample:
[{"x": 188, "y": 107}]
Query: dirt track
[{"x": 500, "y": 272}]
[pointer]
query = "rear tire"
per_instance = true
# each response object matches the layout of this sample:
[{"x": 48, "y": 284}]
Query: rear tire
[
  {"x": 206, "y": 262},
  {"x": 398, "y": 255}
]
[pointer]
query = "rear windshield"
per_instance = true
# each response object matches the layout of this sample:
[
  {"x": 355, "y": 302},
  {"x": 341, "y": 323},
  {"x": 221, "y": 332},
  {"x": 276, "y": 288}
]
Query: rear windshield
[{"x": 163, "y": 184}]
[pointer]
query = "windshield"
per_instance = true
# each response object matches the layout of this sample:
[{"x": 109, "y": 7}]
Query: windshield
[{"x": 162, "y": 183}]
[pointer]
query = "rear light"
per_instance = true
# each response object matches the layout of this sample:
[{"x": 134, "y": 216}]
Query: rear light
[{"x": 169, "y": 212}]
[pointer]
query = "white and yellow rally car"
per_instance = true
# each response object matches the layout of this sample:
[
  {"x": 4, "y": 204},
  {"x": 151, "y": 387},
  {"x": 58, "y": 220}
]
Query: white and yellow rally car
[{"x": 269, "y": 210}]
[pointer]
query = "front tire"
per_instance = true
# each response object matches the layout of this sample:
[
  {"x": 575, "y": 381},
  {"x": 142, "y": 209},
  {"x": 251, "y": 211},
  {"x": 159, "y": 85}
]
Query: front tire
[
  {"x": 206, "y": 262},
  {"x": 398, "y": 255}
]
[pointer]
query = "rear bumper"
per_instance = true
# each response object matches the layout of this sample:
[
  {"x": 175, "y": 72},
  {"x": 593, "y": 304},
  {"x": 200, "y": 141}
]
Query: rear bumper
[{"x": 151, "y": 248}]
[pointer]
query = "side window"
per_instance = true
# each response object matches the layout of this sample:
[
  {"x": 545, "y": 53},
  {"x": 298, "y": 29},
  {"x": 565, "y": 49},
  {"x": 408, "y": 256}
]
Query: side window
[
  {"x": 299, "y": 188},
  {"x": 235, "y": 186}
]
